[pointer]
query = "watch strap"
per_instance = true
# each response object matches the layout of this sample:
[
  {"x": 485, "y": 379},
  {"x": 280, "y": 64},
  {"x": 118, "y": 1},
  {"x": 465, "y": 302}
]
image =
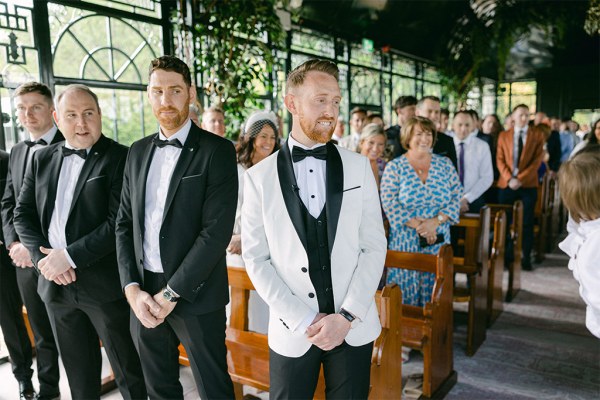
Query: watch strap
[{"x": 347, "y": 315}]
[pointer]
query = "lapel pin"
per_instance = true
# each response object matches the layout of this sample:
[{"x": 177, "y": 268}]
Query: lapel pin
[{"x": 191, "y": 149}]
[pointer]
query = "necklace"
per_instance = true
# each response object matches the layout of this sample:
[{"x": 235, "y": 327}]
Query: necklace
[{"x": 420, "y": 167}]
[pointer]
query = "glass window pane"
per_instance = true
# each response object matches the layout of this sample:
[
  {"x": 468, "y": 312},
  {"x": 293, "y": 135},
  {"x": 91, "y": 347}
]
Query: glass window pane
[
  {"x": 366, "y": 88},
  {"x": 97, "y": 47}
]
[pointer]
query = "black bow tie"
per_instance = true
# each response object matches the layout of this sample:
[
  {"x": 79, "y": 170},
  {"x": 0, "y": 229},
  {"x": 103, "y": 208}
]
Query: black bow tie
[
  {"x": 31, "y": 143},
  {"x": 162, "y": 143},
  {"x": 299, "y": 154},
  {"x": 66, "y": 152}
]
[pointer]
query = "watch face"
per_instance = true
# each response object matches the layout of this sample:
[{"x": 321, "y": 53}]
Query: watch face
[{"x": 167, "y": 295}]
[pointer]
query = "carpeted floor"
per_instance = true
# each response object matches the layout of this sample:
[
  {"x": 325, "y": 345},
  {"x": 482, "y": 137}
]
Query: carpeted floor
[{"x": 538, "y": 348}]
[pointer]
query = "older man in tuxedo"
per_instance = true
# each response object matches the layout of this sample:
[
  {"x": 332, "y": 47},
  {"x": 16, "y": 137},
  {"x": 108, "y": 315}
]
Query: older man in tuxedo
[
  {"x": 174, "y": 224},
  {"x": 314, "y": 247},
  {"x": 65, "y": 218},
  {"x": 519, "y": 155},
  {"x": 34, "y": 105}
]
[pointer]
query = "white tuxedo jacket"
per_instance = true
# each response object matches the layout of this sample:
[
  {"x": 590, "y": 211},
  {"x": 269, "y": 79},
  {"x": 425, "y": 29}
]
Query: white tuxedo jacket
[{"x": 274, "y": 245}]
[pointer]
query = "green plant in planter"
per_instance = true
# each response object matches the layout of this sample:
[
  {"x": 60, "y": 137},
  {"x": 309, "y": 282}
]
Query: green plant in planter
[{"x": 235, "y": 42}]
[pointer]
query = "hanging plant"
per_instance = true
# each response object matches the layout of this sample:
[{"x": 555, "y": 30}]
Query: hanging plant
[
  {"x": 484, "y": 36},
  {"x": 235, "y": 42}
]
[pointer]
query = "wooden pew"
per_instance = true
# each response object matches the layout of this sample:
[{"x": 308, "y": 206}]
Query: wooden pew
[
  {"x": 515, "y": 215},
  {"x": 545, "y": 212},
  {"x": 248, "y": 352},
  {"x": 473, "y": 262},
  {"x": 430, "y": 328},
  {"x": 496, "y": 268}
]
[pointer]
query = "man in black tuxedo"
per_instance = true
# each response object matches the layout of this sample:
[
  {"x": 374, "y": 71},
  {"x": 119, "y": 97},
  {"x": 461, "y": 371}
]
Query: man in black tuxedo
[
  {"x": 405, "y": 109},
  {"x": 175, "y": 222},
  {"x": 34, "y": 106},
  {"x": 429, "y": 107},
  {"x": 65, "y": 218}
]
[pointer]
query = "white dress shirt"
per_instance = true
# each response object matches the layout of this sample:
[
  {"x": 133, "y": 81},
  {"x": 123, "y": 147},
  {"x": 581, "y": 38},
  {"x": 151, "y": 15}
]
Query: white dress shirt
[
  {"x": 517, "y": 132},
  {"x": 581, "y": 245},
  {"x": 157, "y": 184},
  {"x": 48, "y": 138},
  {"x": 310, "y": 178},
  {"x": 67, "y": 180},
  {"x": 479, "y": 173}
]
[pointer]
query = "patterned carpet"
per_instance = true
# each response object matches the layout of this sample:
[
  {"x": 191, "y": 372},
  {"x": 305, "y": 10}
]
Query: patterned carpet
[{"x": 538, "y": 348}]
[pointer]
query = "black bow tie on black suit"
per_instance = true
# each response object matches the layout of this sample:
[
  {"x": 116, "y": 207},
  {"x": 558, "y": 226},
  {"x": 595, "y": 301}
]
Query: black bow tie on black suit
[
  {"x": 162, "y": 143},
  {"x": 299, "y": 154},
  {"x": 31, "y": 143},
  {"x": 66, "y": 152}
]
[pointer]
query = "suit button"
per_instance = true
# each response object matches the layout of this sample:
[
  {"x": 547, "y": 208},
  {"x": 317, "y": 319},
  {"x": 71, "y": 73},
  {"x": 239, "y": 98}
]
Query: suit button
[
  {"x": 311, "y": 295},
  {"x": 304, "y": 269},
  {"x": 327, "y": 289},
  {"x": 319, "y": 223}
]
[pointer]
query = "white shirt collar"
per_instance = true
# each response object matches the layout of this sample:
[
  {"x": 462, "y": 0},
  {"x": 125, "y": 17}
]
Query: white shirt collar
[
  {"x": 466, "y": 140},
  {"x": 181, "y": 134},
  {"x": 48, "y": 136},
  {"x": 293, "y": 142},
  {"x": 524, "y": 129}
]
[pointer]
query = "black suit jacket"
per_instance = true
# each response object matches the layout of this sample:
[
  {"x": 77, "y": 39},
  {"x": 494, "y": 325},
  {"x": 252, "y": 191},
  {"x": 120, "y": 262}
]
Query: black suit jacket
[
  {"x": 554, "y": 151},
  {"x": 90, "y": 229},
  {"x": 3, "y": 173},
  {"x": 17, "y": 164},
  {"x": 197, "y": 221}
]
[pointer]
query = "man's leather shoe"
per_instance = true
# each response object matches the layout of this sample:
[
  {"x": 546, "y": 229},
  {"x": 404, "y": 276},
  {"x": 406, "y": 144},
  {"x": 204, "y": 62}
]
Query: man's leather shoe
[{"x": 26, "y": 391}]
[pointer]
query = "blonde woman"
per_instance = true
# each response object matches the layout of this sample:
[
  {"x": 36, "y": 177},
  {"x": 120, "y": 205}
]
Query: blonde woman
[{"x": 372, "y": 145}]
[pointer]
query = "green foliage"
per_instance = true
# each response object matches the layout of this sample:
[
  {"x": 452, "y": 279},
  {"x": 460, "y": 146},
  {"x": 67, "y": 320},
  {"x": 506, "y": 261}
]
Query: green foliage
[
  {"x": 236, "y": 52},
  {"x": 484, "y": 35}
]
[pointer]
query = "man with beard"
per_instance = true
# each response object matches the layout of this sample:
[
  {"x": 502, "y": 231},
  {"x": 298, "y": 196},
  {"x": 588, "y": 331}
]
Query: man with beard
[
  {"x": 314, "y": 246},
  {"x": 177, "y": 211}
]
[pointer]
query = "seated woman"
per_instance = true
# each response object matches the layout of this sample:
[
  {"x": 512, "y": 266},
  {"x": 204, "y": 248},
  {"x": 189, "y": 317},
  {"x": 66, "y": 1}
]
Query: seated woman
[
  {"x": 372, "y": 145},
  {"x": 257, "y": 142},
  {"x": 579, "y": 180},
  {"x": 420, "y": 194}
]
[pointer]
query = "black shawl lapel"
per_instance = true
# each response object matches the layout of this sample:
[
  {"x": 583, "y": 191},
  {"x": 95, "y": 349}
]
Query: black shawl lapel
[
  {"x": 95, "y": 153},
  {"x": 20, "y": 153},
  {"x": 189, "y": 150},
  {"x": 334, "y": 188},
  {"x": 290, "y": 192},
  {"x": 53, "y": 175},
  {"x": 147, "y": 154}
]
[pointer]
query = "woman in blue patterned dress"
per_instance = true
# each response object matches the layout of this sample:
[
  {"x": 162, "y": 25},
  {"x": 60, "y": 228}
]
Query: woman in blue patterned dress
[{"x": 420, "y": 194}]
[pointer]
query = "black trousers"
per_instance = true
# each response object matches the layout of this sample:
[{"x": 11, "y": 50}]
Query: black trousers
[
  {"x": 45, "y": 344},
  {"x": 347, "y": 371},
  {"x": 78, "y": 326},
  {"x": 11, "y": 320},
  {"x": 202, "y": 336},
  {"x": 529, "y": 197}
]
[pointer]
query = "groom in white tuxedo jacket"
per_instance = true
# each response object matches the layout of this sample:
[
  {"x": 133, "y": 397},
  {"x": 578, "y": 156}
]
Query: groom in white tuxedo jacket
[{"x": 314, "y": 246}]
